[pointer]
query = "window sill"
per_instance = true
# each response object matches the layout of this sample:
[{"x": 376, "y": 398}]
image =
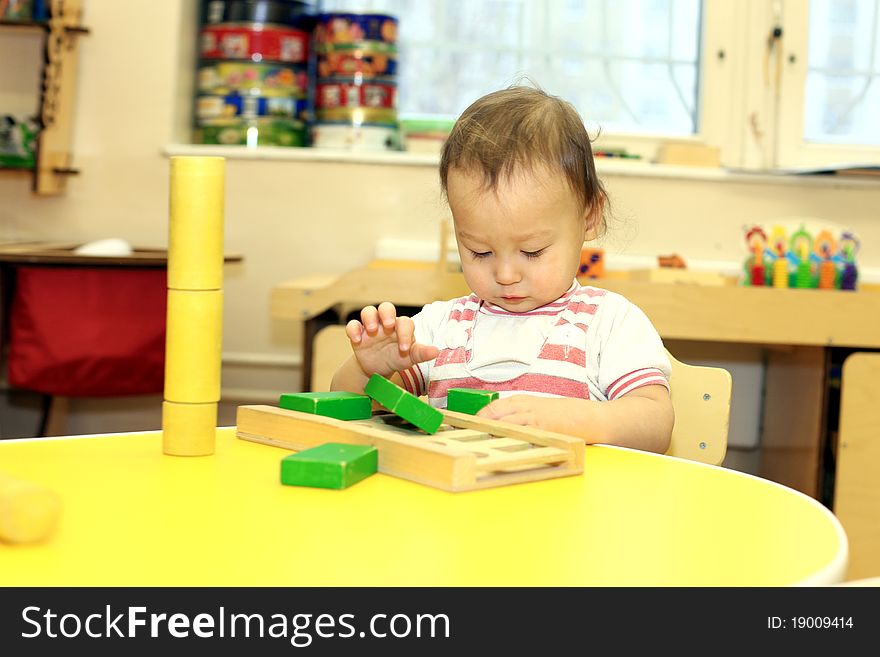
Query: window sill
[
  {"x": 603, "y": 165},
  {"x": 280, "y": 153}
]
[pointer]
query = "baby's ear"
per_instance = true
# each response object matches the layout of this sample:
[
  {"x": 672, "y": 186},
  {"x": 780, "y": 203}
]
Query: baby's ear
[{"x": 593, "y": 220}]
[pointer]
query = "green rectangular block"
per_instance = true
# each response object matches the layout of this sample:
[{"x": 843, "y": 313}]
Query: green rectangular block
[
  {"x": 338, "y": 404},
  {"x": 467, "y": 400},
  {"x": 331, "y": 465},
  {"x": 404, "y": 404}
]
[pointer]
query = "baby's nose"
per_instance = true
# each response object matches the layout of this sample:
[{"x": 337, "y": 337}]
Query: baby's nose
[{"x": 506, "y": 273}]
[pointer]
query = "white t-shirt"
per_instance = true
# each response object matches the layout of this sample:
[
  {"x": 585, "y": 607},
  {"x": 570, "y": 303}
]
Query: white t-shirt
[{"x": 588, "y": 344}]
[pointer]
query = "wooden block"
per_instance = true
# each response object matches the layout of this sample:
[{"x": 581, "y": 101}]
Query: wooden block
[
  {"x": 339, "y": 404},
  {"x": 28, "y": 512},
  {"x": 404, "y": 404},
  {"x": 592, "y": 263},
  {"x": 465, "y": 400},
  {"x": 690, "y": 155},
  {"x": 678, "y": 275},
  {"x": 331, "y": 465},
  {"x": 193, "y": 346},
  {"x": 195, "y": 231},
  {"x": 188, "y": 429}
]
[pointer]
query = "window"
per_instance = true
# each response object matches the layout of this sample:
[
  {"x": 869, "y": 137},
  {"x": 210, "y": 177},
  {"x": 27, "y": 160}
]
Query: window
[
  {"x": 830, "y": 90},
  {"x": 629, "y": 66},
  {"x": 843, "y": 66},
  {"x": 769, "y": 83}
]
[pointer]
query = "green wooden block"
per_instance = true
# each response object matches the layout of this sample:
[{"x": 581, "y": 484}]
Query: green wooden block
[
  {"x": 331, "y": 465},
  {"x": 339, "y": 404},
  {"x": 467, "y": 400},
  {"x": 404, "y": 404}
]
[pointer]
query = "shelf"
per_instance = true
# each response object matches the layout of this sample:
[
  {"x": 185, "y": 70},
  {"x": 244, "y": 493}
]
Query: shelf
[
  {"x": 54, "y": 159},
  {"x": 42, "y": 25},
  {"x": 38, "y": 25}
]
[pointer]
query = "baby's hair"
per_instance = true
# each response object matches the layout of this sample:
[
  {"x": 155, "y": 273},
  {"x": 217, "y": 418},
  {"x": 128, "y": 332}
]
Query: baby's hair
[{"x": 521, "y": 128}]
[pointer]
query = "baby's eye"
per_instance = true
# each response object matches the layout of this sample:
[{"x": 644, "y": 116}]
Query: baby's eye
[
  {"x": 478, "y": 254},
  {"x": 533, "y": 254}
]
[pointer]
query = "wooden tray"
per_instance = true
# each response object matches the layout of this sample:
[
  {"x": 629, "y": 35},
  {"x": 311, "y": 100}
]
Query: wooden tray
[{"x": 467, "y": 453}]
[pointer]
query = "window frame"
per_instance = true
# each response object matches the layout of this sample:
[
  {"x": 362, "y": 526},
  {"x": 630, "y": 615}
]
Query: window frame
[{"x": 793, "y": 151}]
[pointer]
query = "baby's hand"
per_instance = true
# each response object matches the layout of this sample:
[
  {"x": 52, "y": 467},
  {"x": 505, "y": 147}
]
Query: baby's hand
[
  {"x": 525, "y": 410},
  {"x": 384, "y": 343}
]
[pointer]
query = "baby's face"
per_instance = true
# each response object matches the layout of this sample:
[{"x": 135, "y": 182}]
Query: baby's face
[{"x": 520, "y": 245}]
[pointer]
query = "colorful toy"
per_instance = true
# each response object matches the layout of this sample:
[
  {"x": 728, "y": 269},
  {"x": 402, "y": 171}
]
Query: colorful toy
[
  {"x": 592, "y": 263},
  {"x": 756, "y": 239},
  {"x": 801, "y": 261},
  {"x": 465, "y": 400},
  {"x": 802, "y": 246},
  {"x": 780, "y": 264},
  {"x": 331, "y": 465},
  {"x": 824, "y": 248},
  {"x": 404, "y": 404},
  {"x": 849, "y": 247},
  {"x": 339, "y": 404}
]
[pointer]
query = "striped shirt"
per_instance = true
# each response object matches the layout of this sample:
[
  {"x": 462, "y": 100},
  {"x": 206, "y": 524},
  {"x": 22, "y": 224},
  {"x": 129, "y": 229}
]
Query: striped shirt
[{"x": 588, "y": 344}]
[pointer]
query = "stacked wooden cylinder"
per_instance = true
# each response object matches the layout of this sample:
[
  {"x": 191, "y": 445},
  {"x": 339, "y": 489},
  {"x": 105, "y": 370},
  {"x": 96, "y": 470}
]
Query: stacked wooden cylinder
[
  {"x": 253, "y": 78},
  {"x": 355, "y": 81},
  {"x": 193, "y": 336}
]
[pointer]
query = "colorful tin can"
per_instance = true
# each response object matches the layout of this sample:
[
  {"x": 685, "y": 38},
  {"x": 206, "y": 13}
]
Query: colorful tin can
[
  {"x": 232, "y": 106},
  {"x": 253, "y": 132},
  {"x": 252, "y": 78},
  {"x": 350, "y": 28},
  {"x": 348, "y": 93},
  {"x": 255, "y": 42},
  {"x": 278, "y": 12},
  {"x": 357, "y": 116},
  {"x": 361, "y": 62},
  {"x": 355, "y": 138}
]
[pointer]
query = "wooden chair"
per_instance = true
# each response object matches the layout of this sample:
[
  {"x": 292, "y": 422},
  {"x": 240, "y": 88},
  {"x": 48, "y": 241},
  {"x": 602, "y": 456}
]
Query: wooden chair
[{"x": 700, "y": 397}]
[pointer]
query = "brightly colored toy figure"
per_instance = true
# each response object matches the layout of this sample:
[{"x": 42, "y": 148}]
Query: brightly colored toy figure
[
  {"x": 849, "y": 247},
  {"x": 756, "y": 240},
  {"x": 824, "y": 248},
  {"x": 801, "y": 248},
  {"x": 779, "y": 243}
]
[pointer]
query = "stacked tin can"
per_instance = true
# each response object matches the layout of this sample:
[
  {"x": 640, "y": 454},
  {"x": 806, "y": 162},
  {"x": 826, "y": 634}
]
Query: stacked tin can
[
  {"x": 253, "y": 77},
  {"x": 355, "y": 81}
]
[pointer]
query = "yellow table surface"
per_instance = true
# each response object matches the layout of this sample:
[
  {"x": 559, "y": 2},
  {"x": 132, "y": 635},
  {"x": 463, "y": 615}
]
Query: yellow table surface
[{"x": 134, "y": 517}]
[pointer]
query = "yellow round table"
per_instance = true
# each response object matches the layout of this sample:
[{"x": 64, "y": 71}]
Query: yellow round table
[{"x": 134, "y": 517}]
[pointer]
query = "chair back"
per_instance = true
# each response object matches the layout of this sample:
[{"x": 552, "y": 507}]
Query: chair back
[{"x": 701, "y": 400}]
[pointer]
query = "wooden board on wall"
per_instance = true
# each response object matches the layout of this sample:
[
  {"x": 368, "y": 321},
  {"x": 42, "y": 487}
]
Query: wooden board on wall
[{"x": 54, "y": 155}]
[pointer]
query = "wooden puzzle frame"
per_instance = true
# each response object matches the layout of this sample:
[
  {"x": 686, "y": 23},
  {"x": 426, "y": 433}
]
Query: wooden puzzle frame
[{"x": 467, "y": 453}]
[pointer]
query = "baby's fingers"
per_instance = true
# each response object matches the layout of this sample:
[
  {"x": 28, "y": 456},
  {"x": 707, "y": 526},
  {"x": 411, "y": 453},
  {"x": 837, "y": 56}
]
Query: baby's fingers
[
  {"x": 370, "y": 319},
  {"x": 387, "y": 315},
  {"x": 405, "y": 332},
  {"x": 355, "y": 331},
  {"x": 419, "y": 352},
  {"x": 500, "y": 409}
]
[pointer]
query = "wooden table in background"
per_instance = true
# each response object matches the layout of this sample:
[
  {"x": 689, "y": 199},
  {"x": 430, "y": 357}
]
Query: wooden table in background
[{"x": 61, "y": 254}]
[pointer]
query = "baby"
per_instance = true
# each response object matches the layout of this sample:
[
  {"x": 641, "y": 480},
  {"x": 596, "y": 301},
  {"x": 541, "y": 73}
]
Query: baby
[{"x": 518, "y": 173}]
